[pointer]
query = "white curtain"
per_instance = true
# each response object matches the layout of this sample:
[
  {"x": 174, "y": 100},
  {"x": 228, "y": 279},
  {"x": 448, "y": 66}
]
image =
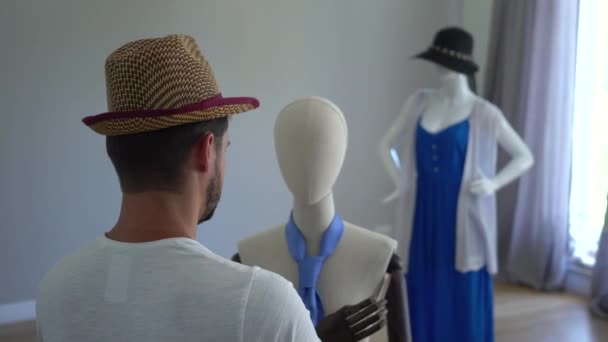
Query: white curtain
[
  {"x": 599, "y": 285},
  {"x": 531, "y": 78}
]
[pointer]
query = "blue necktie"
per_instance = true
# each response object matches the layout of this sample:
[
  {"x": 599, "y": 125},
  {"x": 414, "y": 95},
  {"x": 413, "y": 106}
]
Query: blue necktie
[{"x": 309, "y": 267}]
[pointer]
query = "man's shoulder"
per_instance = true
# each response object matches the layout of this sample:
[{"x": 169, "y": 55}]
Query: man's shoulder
[
  {"x": 67, "y": 265},
  {"x": 275, "y": 311},
  {"x": 269, "y": 280},
  {"x": 191, "y": 257},
  {"x": 275, "y": 295},
  {"x": 223, "y": 266}
]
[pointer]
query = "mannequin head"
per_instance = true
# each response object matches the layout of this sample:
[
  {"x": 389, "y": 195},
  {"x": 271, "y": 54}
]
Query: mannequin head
[{"x": 310, "y": 137}]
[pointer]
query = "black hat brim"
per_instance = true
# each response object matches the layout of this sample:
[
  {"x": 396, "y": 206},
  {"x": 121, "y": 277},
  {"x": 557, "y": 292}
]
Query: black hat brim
[{"x": 449, "y": 62}]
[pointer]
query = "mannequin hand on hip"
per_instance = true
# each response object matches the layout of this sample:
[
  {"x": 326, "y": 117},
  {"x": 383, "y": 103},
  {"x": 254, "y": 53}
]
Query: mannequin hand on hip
[
  {"x": 353, "y": 322},
  {"x": 483, "y": 187}
]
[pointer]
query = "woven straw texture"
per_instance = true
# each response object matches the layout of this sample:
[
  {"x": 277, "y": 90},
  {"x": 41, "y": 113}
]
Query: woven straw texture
[{"x": 159, "y": 74}]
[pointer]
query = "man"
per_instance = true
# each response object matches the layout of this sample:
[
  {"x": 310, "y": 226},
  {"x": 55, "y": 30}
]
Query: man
[{"x": 148, "y": 279}]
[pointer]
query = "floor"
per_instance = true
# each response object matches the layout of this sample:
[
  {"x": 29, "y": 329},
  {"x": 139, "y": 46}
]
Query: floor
[
  {"x": 19, "y": 332},
  {"x": 525, "y": 315},
  {"x": 522, "y": 315}
]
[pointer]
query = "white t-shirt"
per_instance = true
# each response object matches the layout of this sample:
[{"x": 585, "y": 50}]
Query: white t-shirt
[{"x": 168, "y": 290}]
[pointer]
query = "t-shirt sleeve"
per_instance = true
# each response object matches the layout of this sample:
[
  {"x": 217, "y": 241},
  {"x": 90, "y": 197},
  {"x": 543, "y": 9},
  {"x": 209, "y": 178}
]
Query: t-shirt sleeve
[{"x": 275, "y": 312}]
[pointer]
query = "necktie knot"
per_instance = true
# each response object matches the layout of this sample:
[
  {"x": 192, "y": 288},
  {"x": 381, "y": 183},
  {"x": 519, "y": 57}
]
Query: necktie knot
[{"x": 309, "y": 269}]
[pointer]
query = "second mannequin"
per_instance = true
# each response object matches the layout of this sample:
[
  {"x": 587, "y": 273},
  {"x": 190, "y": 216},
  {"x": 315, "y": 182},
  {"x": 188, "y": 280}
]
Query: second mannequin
[{"x": 310, "y": 142}]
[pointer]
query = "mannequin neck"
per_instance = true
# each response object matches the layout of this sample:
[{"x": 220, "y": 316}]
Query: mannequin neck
[
  {"x": 313, "y": 220},
  {"x": 455, "y": 87}
]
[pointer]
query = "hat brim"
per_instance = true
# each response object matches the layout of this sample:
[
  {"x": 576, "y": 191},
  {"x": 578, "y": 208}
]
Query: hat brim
[
  {"x": 133, "y": 122},
  {"x": 449, "y": 62}
]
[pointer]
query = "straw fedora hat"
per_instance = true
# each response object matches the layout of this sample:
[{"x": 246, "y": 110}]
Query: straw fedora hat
[{"x": 159, "y": 83}]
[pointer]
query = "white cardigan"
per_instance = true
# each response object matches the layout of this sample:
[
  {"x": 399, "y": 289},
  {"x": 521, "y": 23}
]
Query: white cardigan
[{"x": 476, "y": 216}]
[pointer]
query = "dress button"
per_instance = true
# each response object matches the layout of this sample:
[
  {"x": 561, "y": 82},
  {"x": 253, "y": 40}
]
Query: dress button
[
  {"x": 436, "y": 169},
  {"x": 435, "y": 158},
  {"x": 434, "y": 146}
]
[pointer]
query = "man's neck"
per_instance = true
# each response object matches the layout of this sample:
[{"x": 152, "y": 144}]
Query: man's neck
[{"x": 154, "y": 216}]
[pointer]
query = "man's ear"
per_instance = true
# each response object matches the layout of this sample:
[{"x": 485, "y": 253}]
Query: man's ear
[{"x": 205, "y": 148}]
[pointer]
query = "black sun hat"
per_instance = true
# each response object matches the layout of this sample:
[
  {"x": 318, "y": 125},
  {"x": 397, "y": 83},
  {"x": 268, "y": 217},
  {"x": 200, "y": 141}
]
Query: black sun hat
[{"x": 452, "y": 48}]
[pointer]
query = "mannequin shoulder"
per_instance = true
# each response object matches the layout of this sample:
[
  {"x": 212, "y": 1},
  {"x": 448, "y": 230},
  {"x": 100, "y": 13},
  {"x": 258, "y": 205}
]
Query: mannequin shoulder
[
  {"x": 490, "y": 113},
  {"x": 488, "y": 108},
  {"x": 268, "y": 250},
  {"x": 258, "y": 243},
  {"x": 420, "y": 95},
  {"x": 271, "y": 235},
  {"x": 424, "y": 92},
  {"x": 415, "y": 99},
  {"x": 369, "y": 241}
]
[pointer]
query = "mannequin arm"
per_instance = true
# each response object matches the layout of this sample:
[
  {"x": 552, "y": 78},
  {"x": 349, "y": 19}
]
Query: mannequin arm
[
  {"x": 521, "y": 161},
  {"x": 388, "y": 154},
  {"x": 396, "y": 302}
]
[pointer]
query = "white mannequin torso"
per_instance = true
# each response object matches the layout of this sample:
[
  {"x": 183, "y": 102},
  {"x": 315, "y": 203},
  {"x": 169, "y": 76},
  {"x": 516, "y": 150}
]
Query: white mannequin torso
[
  {"x": 310, "y": 141},
  {"x": 349, "y": 276},
  {"x": 449, "y": 104}
]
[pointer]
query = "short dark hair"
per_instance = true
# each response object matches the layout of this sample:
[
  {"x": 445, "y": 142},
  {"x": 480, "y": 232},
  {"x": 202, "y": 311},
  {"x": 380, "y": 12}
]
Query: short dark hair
[{"x": 154, "y": 161}]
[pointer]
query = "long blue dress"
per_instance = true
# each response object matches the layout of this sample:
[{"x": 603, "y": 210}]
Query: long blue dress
[{"x": 445, "y": 305}]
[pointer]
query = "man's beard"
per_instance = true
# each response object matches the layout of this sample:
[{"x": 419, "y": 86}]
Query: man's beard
[{"x": 213, "y": 197}]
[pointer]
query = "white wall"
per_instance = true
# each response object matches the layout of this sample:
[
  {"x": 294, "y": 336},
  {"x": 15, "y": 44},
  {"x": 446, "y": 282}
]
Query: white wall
[
  {"x": 58, "y": 187},
  {"x": 476, "y": 18}
]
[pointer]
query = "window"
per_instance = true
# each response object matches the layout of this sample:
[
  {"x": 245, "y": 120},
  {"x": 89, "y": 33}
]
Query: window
[{"x": 590, "y": 132}]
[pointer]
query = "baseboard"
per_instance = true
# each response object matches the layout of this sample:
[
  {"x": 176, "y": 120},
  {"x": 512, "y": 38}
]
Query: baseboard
[
  {"x": 17, "y": 312},
  {"x": 13, "y": 330}
]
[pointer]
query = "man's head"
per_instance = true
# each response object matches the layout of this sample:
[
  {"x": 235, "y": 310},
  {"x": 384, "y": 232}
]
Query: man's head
[
  {"x": 171, "y": 159},
  {"x": 167, "y": 122}
]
